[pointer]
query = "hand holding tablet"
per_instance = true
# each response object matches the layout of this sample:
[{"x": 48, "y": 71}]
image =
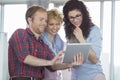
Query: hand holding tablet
[{"x": 73, "y": 49}]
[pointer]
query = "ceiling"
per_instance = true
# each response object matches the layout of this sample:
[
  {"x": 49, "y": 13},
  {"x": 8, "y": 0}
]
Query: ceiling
[
  {"x": 54, "y": 1},
  {"x": 24, "y": 1},
  {"x": 12, "y": 1}
]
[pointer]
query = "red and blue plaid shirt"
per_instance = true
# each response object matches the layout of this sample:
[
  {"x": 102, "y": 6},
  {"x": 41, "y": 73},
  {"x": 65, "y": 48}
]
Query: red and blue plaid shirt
[{"x": 23, "y": 43}]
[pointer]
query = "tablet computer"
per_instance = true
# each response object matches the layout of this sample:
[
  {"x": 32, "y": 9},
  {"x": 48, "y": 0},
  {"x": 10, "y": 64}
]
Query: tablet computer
[{"x": 75, "y": 48}]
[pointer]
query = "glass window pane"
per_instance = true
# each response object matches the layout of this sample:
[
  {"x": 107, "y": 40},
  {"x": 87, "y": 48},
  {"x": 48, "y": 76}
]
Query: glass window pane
[
  {"x": 106, "y": 38},
  {"x": 1, "y": 27},
  {"x": 107, "y": 27},
  {"x": 117, "y": 42},
  {"x": 94, "y": 10},
  {"x": 14, "y": 17}
]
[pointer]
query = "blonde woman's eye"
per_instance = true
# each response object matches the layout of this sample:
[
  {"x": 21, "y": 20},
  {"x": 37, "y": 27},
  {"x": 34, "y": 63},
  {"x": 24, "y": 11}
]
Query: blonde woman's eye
[{"x": 51, "y": 24}]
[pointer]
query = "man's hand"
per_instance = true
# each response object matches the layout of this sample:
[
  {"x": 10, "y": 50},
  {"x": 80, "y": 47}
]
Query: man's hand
[{"x": 57, "y": 58}]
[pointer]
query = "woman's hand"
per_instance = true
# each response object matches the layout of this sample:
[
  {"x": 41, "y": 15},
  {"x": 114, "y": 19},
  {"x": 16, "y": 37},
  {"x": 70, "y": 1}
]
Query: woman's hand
[
  {"x": 78, "y": 60},
  {"x": 79, "y": 35}
]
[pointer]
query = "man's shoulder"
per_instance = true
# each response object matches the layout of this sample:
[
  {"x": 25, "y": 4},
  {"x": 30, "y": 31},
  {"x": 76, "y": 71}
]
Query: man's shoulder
[
  {"x": 20, "y": 30},
  {"x": 17, "y": 34}
]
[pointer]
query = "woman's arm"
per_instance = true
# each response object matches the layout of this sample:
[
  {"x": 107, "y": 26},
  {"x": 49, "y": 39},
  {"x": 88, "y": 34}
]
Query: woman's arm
[
  {"x": 92, "y": 57},
  {"x": 95, "y": 39}
]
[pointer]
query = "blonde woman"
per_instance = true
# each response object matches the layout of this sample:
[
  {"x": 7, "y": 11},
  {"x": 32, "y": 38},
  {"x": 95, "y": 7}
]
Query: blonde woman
[
  {"x": 53, "y": 40},
  {"x": 55, "y": 43}
]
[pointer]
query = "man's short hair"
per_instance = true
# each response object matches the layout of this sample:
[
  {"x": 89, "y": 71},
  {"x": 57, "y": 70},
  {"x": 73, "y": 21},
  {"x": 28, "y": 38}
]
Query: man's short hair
[{"x": 32, "y": 10}]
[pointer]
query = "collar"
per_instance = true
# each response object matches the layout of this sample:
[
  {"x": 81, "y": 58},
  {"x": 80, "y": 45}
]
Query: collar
[{"x": 31, "y": 34}]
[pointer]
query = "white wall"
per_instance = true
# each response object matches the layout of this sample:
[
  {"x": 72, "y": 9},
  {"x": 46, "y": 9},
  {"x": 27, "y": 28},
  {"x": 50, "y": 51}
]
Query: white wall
[{"x": 3, "y": 56}]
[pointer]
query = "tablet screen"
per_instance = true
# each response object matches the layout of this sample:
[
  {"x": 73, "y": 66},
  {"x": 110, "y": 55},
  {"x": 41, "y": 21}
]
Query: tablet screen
[{"x": 75, "y": 48}]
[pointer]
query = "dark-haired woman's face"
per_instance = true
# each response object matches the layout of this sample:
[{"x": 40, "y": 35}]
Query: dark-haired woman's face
[{"x": 75, "y": 17}]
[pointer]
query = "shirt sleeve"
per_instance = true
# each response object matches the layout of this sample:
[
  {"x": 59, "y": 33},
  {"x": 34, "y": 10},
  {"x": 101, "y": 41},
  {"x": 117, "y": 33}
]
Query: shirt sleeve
[
  {"x": 96, "y": 40},
  {"x": 20, "y": 44}
]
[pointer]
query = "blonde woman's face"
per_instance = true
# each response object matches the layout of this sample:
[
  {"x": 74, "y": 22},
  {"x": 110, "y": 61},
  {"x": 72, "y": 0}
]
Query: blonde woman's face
[{"x": 53, "y": 27}]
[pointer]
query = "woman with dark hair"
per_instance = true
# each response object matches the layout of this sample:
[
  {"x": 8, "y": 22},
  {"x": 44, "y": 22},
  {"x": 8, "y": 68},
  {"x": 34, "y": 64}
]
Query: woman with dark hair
[{"x": 80, "y": 29}]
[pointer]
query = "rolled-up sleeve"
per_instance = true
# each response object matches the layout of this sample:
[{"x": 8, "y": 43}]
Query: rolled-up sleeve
[{"x": 20, "y": 44}]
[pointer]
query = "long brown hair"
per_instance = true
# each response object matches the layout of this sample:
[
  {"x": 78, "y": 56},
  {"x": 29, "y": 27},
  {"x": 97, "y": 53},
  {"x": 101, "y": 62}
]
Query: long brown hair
[{"x": 86, "y": 23}]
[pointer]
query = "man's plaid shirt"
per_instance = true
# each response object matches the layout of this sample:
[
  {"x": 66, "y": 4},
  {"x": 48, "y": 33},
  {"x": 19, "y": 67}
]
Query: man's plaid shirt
[{"x": 21, "y": 44}]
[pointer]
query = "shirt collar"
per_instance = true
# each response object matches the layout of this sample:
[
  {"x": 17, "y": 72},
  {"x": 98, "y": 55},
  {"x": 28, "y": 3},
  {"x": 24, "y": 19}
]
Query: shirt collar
[{"x": 31, "y": 34}]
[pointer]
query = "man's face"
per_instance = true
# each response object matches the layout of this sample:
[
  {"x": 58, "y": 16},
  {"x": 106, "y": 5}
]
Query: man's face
[{"x": 38, "y": 22}]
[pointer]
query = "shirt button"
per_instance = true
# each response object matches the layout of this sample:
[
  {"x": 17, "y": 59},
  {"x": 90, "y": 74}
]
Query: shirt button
[{"x": 36, "y": 50}]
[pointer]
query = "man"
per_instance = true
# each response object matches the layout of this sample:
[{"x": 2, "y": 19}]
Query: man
[{"x": 27, "y": 52}]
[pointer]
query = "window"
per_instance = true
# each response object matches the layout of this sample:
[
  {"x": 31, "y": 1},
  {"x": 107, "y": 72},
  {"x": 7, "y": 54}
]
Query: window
[
  {"x": 94, "y": 10},
  {"x": 117, "y": 42},
  {"x": 14, "y": 17},
  {"x": 1, "y": 18},
  {"x": 106, "y": 51}
]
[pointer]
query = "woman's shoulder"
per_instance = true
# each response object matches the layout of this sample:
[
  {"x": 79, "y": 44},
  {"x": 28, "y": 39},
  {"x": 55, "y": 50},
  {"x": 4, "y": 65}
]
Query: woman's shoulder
[
  {"x": 59, "y": 42},
  {"x": 95, "y": 31},
  {"x": 44, "y": 35},
  {"x": 95, "y": 28},
  {"x": 58, "y": 37}
]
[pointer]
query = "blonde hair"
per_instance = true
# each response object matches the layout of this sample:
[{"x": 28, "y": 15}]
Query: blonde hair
[{"x": 54, "y": 14}]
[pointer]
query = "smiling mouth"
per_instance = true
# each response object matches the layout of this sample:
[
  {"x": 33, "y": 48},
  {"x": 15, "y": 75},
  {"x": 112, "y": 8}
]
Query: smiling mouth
[{"x": 54, "y": 31}]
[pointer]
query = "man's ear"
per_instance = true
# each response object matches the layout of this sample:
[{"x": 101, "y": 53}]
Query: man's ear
[{"x": 29, "y": 20}]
